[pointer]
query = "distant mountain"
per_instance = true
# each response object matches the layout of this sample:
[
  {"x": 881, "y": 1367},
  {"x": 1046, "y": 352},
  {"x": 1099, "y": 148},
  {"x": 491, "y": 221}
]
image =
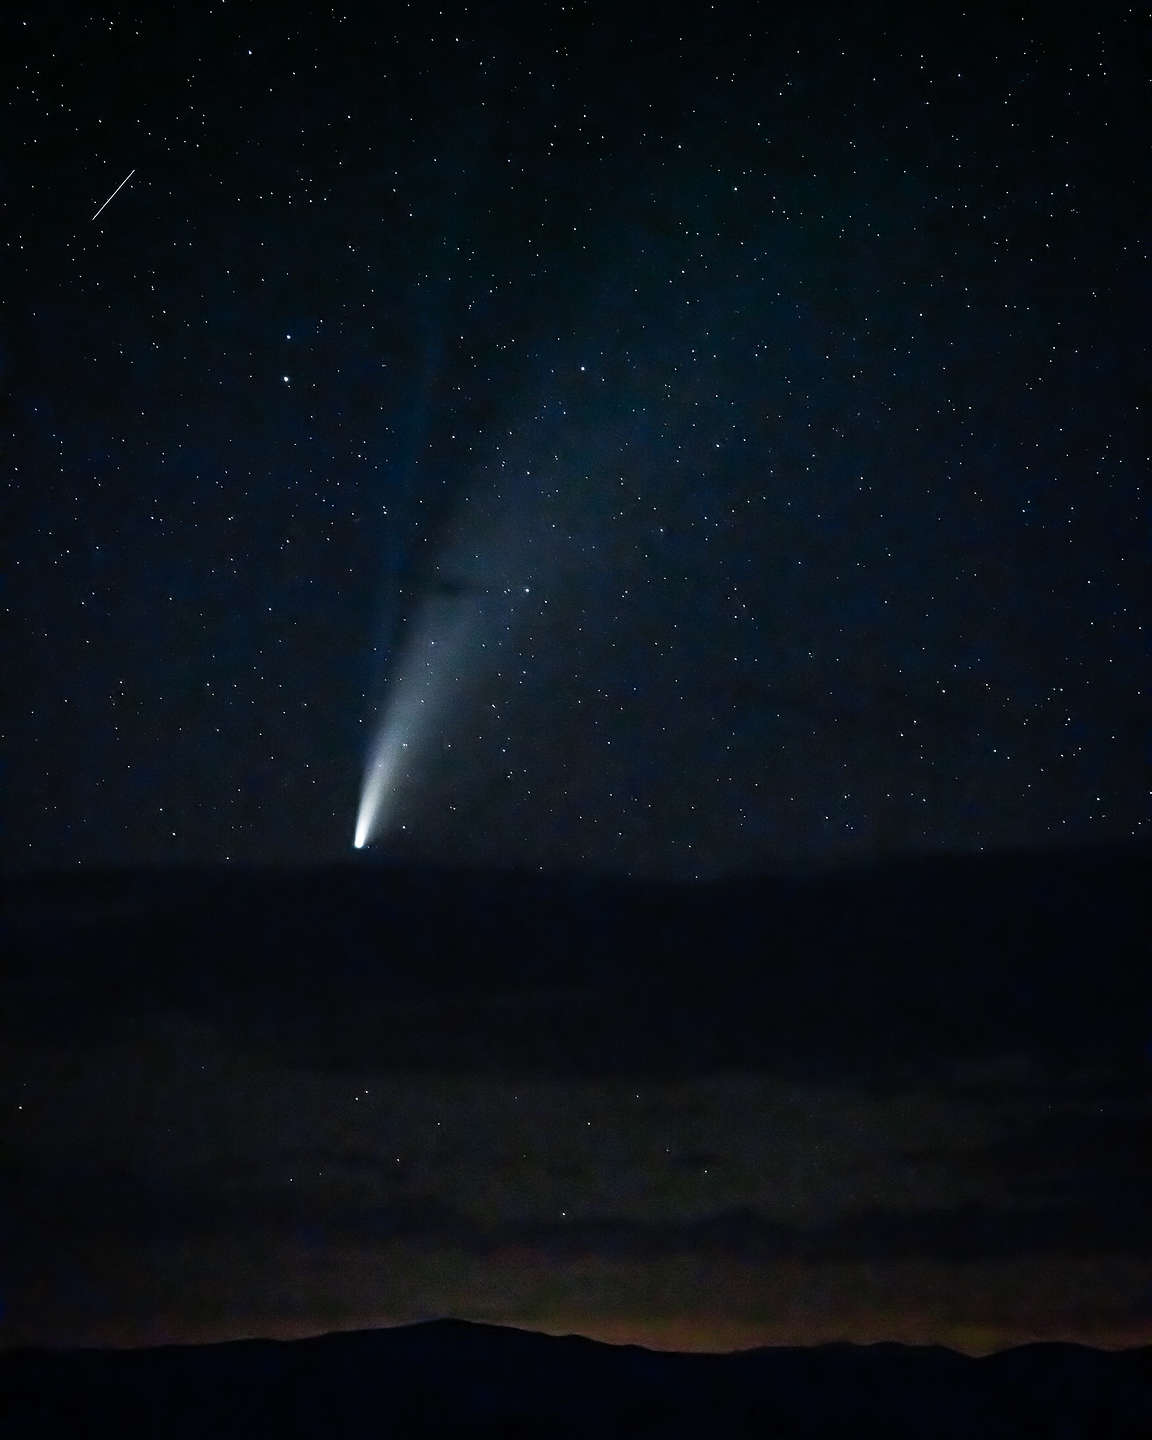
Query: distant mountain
[{"x": 451, "y": 1378}]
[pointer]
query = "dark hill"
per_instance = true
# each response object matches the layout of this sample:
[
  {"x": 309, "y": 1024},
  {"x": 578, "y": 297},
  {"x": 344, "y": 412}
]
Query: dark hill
[{"x": 448, "y": 1378}]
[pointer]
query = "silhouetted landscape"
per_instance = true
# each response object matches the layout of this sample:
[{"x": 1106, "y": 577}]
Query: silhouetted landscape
[
  {"x": 274, "y": 1103},
  {"x": 446, "y": 1378}
]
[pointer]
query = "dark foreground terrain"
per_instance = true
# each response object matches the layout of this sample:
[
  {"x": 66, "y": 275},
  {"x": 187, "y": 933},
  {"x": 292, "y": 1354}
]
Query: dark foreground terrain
[{"x": 452, "y": 1378}]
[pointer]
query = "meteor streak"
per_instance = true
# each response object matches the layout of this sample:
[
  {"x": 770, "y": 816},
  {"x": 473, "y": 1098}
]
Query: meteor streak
[{"x": 116, "y": 191}]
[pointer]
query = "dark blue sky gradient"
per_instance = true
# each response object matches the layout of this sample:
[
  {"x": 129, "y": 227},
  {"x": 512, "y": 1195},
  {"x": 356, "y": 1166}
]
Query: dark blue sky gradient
[{"x": 793, "y": 369}]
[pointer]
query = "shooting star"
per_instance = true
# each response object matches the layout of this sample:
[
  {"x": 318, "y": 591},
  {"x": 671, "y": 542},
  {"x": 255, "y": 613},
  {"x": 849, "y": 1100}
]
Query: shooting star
[{"x": 116, "y": 191}]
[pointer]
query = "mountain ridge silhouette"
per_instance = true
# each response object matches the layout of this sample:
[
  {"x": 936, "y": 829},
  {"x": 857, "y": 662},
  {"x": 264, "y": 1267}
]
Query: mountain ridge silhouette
[{"x": 451, "y": 1377}]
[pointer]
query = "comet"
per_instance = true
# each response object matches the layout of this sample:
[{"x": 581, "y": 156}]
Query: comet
[
  {"x": 431, "y": 672},
  {"x": 115, "y": 192}
]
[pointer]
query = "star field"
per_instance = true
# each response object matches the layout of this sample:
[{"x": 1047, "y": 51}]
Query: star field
[
  {"x": 569, "y": 452},
  {"x": 774, "y": 385}
]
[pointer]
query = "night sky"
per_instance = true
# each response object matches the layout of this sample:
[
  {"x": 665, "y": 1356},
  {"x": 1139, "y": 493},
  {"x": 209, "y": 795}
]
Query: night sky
[
  {"x": 699, "y": 446},
  {"x": 906, "y": 1103},
  {"x": 554, "y": 447}
]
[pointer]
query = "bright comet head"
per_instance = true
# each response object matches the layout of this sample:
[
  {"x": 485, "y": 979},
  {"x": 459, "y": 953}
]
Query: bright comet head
[
  {"x": 379, "y": 781},
  {"x": 423, "y": 682}
]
